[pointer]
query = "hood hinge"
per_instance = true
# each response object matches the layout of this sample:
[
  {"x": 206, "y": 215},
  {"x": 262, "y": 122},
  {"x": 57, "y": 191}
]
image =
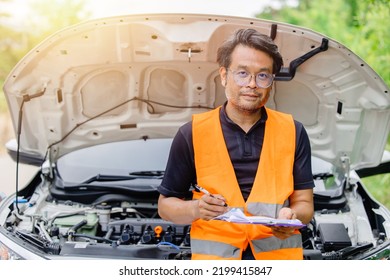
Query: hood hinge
[
  {"x": 346, "y": 165},
  {"x": 48, "y": 166}
]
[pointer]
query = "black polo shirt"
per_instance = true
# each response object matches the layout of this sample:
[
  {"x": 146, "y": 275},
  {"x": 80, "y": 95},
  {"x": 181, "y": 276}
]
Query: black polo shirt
[{"x": 244, "y": 151}]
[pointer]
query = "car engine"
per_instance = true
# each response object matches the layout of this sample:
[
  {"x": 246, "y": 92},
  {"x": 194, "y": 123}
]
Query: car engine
[{"x": 51, "y": 222}]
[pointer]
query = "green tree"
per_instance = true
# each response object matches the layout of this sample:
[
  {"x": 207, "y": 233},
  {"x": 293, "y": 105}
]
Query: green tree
[{"x": 52, "y": 15}]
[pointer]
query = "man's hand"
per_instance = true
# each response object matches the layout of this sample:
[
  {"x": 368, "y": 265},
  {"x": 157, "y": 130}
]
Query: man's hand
[
  {"x": 182, "y": 211},
  {"x": 210, "y": 207},
  {"x": 285, "y": 232},
  {"x": 301, "y": 208}
]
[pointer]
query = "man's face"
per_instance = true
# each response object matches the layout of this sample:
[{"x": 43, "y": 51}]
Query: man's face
[{"x": 248, "y": 98}]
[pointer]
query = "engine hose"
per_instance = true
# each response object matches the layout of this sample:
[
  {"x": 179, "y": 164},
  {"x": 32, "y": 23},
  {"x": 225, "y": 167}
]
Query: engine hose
[{"x": 74, "y": 228}]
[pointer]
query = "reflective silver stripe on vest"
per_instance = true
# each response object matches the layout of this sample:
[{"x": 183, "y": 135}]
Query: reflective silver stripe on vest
[
  {"x": 274, "y": 243},
  {"x": 215, "y": 248},
  {"x": 266, "y": 209}
]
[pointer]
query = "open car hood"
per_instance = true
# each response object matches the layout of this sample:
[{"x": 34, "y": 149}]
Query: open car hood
[{"x": 142, "y": 76}]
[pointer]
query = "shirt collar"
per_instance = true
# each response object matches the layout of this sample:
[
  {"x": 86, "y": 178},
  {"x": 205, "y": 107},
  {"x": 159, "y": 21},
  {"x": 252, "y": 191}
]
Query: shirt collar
[{"x": 225, "y": 117}]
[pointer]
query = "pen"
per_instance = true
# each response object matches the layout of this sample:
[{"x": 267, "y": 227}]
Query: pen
[{"x": 203, "y": 190}]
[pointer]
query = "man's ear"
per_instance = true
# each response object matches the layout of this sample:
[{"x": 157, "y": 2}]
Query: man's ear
[{"x": 223, "y": 76}]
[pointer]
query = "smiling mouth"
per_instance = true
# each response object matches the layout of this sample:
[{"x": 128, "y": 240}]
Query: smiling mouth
[{"x": 250, "y": 95}]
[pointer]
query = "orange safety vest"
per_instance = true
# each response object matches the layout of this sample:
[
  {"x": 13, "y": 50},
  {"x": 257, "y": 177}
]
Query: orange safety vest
[{"x": 271, "y": 189}]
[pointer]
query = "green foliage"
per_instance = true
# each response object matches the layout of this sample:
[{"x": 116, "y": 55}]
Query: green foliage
[
  {"x": 378, "y": 186},
  {"x": 52, "y": 16}
]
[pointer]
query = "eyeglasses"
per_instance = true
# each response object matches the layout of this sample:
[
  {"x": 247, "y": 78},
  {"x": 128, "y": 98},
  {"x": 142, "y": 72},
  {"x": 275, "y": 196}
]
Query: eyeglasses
[{"x": 243, "y": 78}]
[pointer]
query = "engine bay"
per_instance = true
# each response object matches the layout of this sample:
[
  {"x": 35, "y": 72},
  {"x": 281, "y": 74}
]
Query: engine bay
[{"x": 121, "y": 228}]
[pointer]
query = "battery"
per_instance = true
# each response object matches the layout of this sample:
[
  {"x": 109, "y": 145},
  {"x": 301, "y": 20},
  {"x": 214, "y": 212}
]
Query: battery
[{"x": 334, "y": 236}]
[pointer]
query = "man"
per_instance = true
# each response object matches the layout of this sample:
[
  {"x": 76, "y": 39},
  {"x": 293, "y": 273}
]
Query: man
[{"x": 245, "y": 155}]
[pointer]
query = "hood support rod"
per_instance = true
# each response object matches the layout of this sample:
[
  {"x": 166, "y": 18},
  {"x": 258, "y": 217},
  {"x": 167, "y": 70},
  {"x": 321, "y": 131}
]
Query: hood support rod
[
  {"x": 25, "y": 98},
  {"x": 287, "y": 74}
]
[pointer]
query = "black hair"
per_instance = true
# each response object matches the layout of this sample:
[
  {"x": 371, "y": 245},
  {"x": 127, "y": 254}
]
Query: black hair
[{"x": 251, "y": 38}]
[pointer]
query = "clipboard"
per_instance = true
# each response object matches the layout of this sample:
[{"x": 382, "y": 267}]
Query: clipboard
[{"x": 235, "y": 215}]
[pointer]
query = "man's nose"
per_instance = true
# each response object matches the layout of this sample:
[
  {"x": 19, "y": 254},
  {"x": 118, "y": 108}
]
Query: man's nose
[{"x": 252, "y": 81}]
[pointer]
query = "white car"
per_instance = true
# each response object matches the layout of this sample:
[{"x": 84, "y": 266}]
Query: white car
[{"x": 96, "y": 106}]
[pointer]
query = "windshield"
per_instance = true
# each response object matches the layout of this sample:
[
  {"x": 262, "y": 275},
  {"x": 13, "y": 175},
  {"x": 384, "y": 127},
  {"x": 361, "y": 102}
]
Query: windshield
[
  {"x": 142, "y": 162},
  {"x": 127, "y": 159}
]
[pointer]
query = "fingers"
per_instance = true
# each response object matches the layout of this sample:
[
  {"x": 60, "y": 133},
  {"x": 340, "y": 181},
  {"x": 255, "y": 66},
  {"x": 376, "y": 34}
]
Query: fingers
[
  {"x": 287, "y": 213},
  {"x": 283, "y": 232},
  {"x": 211, "y": 206}
]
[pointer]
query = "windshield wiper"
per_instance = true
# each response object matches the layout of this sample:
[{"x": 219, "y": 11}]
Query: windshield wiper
[
  {"x": 125, "y": 188},
  {"x": 157, "y": 174},
  {"x": 131, "y": 176},
  {"x": 105, "y": 178}
]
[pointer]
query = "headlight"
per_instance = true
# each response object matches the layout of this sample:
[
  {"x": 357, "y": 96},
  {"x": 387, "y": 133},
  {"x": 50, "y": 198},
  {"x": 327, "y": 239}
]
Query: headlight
[{"x": 7, "y": 254}]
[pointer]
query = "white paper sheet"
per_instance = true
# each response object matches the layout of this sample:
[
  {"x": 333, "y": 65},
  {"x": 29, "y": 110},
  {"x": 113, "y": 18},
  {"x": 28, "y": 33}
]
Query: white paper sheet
[{"x": 235, "y": 215}]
